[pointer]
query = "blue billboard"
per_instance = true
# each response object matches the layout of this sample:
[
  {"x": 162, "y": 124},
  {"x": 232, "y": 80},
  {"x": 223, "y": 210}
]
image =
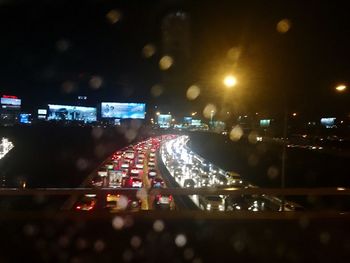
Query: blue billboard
[
  {"x": 265, "y": 123},
  {"x": 164, "y": 120},
  {"x": 123, "y": 110},
  {"x": 10, "y": 103},
  {"x": 188, "y": 120},
  {"x": 71, "y": 113},
  {"x": 25, "y": 118}
]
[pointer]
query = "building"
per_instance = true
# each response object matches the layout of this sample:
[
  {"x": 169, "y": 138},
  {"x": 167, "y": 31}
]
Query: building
[{"x": 10, "y": 110}]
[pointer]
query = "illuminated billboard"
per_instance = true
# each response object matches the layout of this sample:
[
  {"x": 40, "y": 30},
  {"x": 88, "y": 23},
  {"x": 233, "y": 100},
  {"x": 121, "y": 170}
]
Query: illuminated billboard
[
  {"x": 328, "y": 122},
  {"x": 42, "y": 111},
  {"x": 196, "y": 122},
  {"x": 25, "y": 118},
  {"x": 123, "y": 110},
  {"x": 71, "y": 113},
  {"x": 188, "y": 120},
  {"x": 13, "y": 103},
  {"x": 265, "y": 123},
  {"x": 164, "y": 120}
]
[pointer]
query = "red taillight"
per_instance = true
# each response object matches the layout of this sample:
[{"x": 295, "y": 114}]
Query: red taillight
[
  {"x": 78, "y": 207},
  {"x": 159, "y": 196},
  {"x": 170, "y": 197}
]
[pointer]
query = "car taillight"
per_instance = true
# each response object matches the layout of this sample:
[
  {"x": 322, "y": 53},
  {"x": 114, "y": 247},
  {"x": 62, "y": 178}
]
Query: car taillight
[
  {"x": 158, "y": 196},
  {"x": 170, "y": 197},
  {"x": 78, "y": 207}
]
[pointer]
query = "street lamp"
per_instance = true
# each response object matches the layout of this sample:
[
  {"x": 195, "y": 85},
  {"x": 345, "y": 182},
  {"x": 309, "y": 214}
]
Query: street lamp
[
  {"x": 193, "y": 113},
  {"x": 230, "y": 81},
  {"x": 340, "y": 88}
]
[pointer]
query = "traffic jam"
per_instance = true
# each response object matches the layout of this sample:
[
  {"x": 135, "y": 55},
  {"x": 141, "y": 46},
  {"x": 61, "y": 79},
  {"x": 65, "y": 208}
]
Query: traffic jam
[
  {"x": 133, "y": 167},
  {"x": 192, "y": 171}
]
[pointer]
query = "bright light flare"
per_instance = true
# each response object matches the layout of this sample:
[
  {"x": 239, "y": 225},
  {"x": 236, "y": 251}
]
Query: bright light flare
[
  {"x": 341, "y": 88},
  {"x": 193, "y": 92},
  {"x": 166, "y": 62},
  {"x": 283, "y": 26},
  {"x": 230, "y": 81},
  {"x": 113, "y": 16}
]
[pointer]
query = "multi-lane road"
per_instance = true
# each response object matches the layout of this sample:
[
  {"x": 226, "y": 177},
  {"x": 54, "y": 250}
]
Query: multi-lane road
[
  {"x": 133, "y": 167},
  {"x": 161, "y": 162}
]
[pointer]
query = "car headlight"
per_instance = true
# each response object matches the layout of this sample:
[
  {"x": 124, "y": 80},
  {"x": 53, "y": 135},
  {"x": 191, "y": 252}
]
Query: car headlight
[
  {"x": 208, "y": 206},
  {"x": 221, "y": 208}
]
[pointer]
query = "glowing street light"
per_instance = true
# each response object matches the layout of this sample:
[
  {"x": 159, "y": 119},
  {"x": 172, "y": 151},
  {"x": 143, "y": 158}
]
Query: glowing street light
[
  {"x": 193, "y": 113},
  {"x": 340, "y": 88},
  {"x": 294, "y": 114},
  {"x": 158, "y": 113},
  {"x": 230, "y": 81}
]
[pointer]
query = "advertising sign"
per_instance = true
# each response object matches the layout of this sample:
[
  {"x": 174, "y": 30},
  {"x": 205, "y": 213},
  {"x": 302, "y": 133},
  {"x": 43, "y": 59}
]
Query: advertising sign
[
  {"x": 10, "y": 103},
  {"x": 71, "y": 113},
  {"x": 164, "y": 120},
  {"x": 123, "y": 110},
  {"x": 265, "y": 123}
]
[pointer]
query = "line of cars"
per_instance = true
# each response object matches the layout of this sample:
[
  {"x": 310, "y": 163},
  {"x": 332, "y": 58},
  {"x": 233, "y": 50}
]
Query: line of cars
[
  {"x": 192, "y": 171},
  {"x": 130, "y": 167}
]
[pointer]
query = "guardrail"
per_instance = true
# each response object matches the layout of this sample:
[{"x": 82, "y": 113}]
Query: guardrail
[{"x": 339, "y": 191}]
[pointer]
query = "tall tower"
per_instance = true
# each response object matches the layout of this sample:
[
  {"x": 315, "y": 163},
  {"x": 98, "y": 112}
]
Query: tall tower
[
  {"x": 176, "y": 43},
  {"x": 176, "y": 36}
]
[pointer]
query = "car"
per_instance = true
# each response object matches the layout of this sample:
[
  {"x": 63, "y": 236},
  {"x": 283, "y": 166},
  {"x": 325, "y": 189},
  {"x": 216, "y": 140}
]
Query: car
[
  {"x": 97, "y": 181},
  {"x": 189, "y": 183},
  {"x": 139, "y": 166},
  {"x": 134, "y": 203},
  {"x": 205, "y": 180},
  {"x": 136, "y": 183},
  {"x": 151, "y": 165},
  {"x": 129, "y": 154},
  {"x": 152, "y": 173},
  {"x": 102, "y": 173},
  {"x": 163, "y": 201},
  {"x": 234, "y": 203},
  {"x": 177, "y": 171},
  {"x": 211, "y": 203},
  {"x": 233, "y": 179},
  {"x": 87, "y": 203},
  {"x": 157, "y": 182},
  {"x": 116, "y": 202},
  {"x": 151, "y": 159},
  {"x": 135, "y": 172},
  {"x": 195, "y": 173},
  {"x": 125, "y": 165}
]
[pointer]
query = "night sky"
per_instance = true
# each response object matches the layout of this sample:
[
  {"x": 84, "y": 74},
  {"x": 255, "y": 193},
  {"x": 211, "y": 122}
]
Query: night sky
[{"x": 50, "y": 51}]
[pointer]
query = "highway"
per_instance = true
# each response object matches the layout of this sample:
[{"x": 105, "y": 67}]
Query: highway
[
  {"x": 162, "y": 162},
  {"x": 189, "y": 170},
  {"x": 133, "y": 167}
]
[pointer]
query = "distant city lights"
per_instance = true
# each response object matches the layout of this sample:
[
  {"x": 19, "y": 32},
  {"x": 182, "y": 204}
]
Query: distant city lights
[{"x": 5, "y": 147}]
